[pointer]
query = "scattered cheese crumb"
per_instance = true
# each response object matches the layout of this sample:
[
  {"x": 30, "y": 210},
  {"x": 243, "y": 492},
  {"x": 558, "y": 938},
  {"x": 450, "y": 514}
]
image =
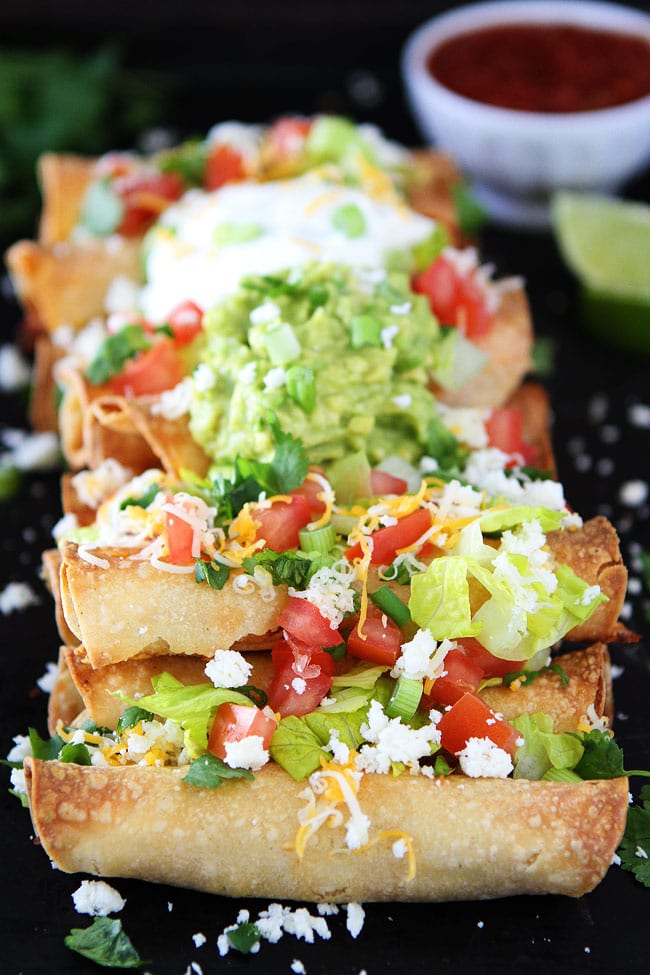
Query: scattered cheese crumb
[
  {"x": 97, "y": 898},
  {"x": 355, "y": 919},
  {"x": 199, "y": 939},
  {"x": 641, "y": 853},
  {"x": 15, "y": 371},
  {"x": 17, "y": 596},
  {"x": 228, "y": 668},
  {"x": 298, "y": 967},
  {"x": 481, "y": 758},
  {"x": 48, "y": 680},
  {"x": 247, "y": 753}
]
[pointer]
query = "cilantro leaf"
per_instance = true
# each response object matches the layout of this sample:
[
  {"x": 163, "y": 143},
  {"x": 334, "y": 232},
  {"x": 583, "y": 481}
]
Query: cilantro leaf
[
  {"x": 244, "y": 936},
  {"x": 291, "y": 568},
  {"x": 130, "y": 717},
  {"x": 602, "y": 758},
  {"x": 105, "y": 943},
  {"x": 75, "y": 754},
  {"x": 470, "y": 214},
  {"x": 526, "y": 677},
  {"x": 209, "y": 772},
  {"x": 45, "y": 748},
  {"x": 144, "y": 500},
  {"x": 444, "y": 447},
  {"x": 115, "y": 352},
  {"x": 636, "y": 840},
  {"x": 214, "y": 573}
]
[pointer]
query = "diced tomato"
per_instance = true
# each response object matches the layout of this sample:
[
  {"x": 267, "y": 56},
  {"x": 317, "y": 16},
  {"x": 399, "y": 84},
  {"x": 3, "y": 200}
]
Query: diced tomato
[
  {"x": 461, "y": 675},
  {"x": 310, "y": 489},
  {"x": 387, "y": 541},
  {"x": 381, "y": 482},
  {"x": 455, "y": 299},
  {"x": 151, "y": 371},
  {"x": 305, "y": 621},
  {"x": 145, "y": 195},
  {"x": 490, "y": 665},
  {"x": 180, "y": 536},
  {"x": 280, "y": 523},
  {"x": 186, "y": 322},
  {"x": 286, "y": 137},
  {"x": 224, "y": 165},
  {"x": 232, "y": 722},
  {"x": 469, "y": 718},
  {"x": 379, "y": 640},
  {"x": 296, "y": 688},
  {"x": 304, "y": 658},
  {"x": 504, "y": 430}
]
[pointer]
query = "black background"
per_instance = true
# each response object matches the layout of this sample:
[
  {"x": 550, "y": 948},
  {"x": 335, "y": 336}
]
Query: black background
[{"x": 252, "y": 61}]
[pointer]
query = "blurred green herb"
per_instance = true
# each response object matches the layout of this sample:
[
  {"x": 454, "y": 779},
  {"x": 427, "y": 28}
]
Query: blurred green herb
[
  {"x": 58, "y": 101},
  {"x": 544, "y": 353}
]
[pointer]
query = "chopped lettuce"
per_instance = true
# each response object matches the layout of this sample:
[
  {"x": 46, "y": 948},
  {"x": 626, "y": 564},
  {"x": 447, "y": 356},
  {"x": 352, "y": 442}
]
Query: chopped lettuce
[{"x": 544, "y": 749}]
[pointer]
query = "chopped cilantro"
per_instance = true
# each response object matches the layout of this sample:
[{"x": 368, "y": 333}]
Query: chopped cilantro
[
  {"x": 115, "y": 352},
  {"x": 43, "y": 748},
  {"x": 187, "y": 160},
  {"x": 144, "y": 500},
  {"x": 292, "y": 568},
  {"x": 105, "y": 943},
  {"x": 75, "y": 754},
  {"x": 634, "y": 850},
  {"x": 244, "y": 936},
  {"x": 470, "y": 214},
  {"x": 602, "y": 758},
  {"x": 209, "y": 772},
  {"x": 526, "y": 677},
  {"x": 445, "y": 448},
  {"x": 544, "y": 354},
  {"x": 215, "y": 574},
  {"x": 130, "y": 717}
]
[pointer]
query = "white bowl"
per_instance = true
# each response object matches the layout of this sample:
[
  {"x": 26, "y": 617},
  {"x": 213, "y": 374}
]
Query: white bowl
[{"x": 516, "y": 159}]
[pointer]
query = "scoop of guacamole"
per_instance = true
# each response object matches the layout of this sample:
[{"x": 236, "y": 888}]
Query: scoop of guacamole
[{"x": 341, "y": 356}]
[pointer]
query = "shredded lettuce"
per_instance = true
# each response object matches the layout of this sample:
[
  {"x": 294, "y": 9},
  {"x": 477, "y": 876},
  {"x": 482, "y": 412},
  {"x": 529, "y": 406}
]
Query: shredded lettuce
[
  {"x": 501, "y": 519},
  {"x": 544, "y": 749},
  {"x": 439, "y": 600}
]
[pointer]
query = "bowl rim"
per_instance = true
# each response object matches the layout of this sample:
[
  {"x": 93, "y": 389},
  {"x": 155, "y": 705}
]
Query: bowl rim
[{"x": 478, "y": 15}]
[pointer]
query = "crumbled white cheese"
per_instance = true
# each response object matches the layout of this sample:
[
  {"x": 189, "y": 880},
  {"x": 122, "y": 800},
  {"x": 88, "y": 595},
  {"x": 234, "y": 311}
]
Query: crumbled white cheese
[
  {"x": 204, "y": 377},
  {"x": 94, "y": 486},
  {"x": 299, "y": 685},
  {"x": 121, "y": 294},
  {"x": 356, "y": 917},
  {"x": 265, "y": 313},
  {"x": 421, "y": 657},
  {"x": 633, "y": 493},
  {"x": 48, "y": 680},
  {"x": 228, "y": 668},
  {"x": 199, "y": 939},
  {"x": 66, "y": 524},
  {"x": 403, "y": 401},
  {"x": 176, "y": 402},
  {"x": 326, "y": 910},
  {"x": 276, "y": 921},
  {"x": 15, "y": 372},
  {"x": 298, "y": 967},
  {"x": 31, "y": 451},
  {"x": 17, "y": 596},
  {"x": 248, "y": 753},
  {"x": 400, "y": 849},
  {"x": 641, "y": 853},
  {"x": 331, "y": 591},
  {"x": 389, "y": 740},
  {"x": 275, "y": 378},
  {"x": 388, "y": 334},
  {"x": 97, "y": 898},
  {"x": 340, "y": 751},
  {"x": 481, "y": 758}
]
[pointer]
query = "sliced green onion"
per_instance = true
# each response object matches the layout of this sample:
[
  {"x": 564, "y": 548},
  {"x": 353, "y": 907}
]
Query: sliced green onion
[
  {"x": 236, "y": 233},
  {"x": 405, "y": 698},
  {"x": 101, "y": 210},
  {"x": 365, "y": 330},
  {"x": 349, "y": 220},
  {"x": 320, "y": 539},
  {"x": 301, "y": 387},
  {"x": 281, "y": 344},
  {"x": 390, "y": 604},
  {"x": 329, "y": 138}
]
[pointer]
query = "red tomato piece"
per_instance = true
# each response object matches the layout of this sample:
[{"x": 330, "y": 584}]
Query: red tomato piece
[
  {"x": 306, "y": 660},
  {"x": 305, "y": 621},
  {"x": 455, "y": 299},
  {"x": 381, "y": 482},
  {"x": 297, "y": 693},
  {"x": 461, "y": 675},
  {"x": 490, "y": 665},
  {"x": 224, "y": 165},
  {"x": 379, "y": 641},
  {"x": 504, "y": 430},
  {"x": 310, "y": 489},
  {"x": 470, "y": 717},
  {"x": 286, "y": 137},
  {"x": 387, "y": 541},
  {"x": 280, "y": 523},
  {"x": 151, "y": 371},
  {"x": 186, "y": 322},
  {"x": 145, "y": 195},
  {"x": 180, "y": 536},
  {"x": 232, "y": 722}
]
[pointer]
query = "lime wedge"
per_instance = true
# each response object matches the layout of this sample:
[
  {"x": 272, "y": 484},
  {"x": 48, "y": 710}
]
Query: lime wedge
[{"x": 606, "y": 243}]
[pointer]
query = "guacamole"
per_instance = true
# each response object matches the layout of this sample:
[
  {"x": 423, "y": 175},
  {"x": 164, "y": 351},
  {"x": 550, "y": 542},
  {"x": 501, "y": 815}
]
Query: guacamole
[{"x": 341, "y": 356}]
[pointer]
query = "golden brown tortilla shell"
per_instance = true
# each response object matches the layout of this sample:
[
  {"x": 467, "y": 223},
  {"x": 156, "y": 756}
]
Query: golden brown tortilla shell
[
  {"x": 51, "y": 574},
  {"x": 66, "y": 284},
  {"x": 132, "y": 609},
  {"x": 481, "y": 838},
  {"x": 588, "y": 673},
  {"x": 64, "y": 179}
]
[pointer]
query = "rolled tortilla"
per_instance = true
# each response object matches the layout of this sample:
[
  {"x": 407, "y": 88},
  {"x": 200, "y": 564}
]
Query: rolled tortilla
[
  {"x": 121, "y": 608},
  {"x": 588, "y": 673},
  {"x": 239, "y": 840}
]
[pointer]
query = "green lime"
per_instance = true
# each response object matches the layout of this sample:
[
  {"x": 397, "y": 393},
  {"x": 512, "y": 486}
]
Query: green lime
[{"x": 606, "y": 243}]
